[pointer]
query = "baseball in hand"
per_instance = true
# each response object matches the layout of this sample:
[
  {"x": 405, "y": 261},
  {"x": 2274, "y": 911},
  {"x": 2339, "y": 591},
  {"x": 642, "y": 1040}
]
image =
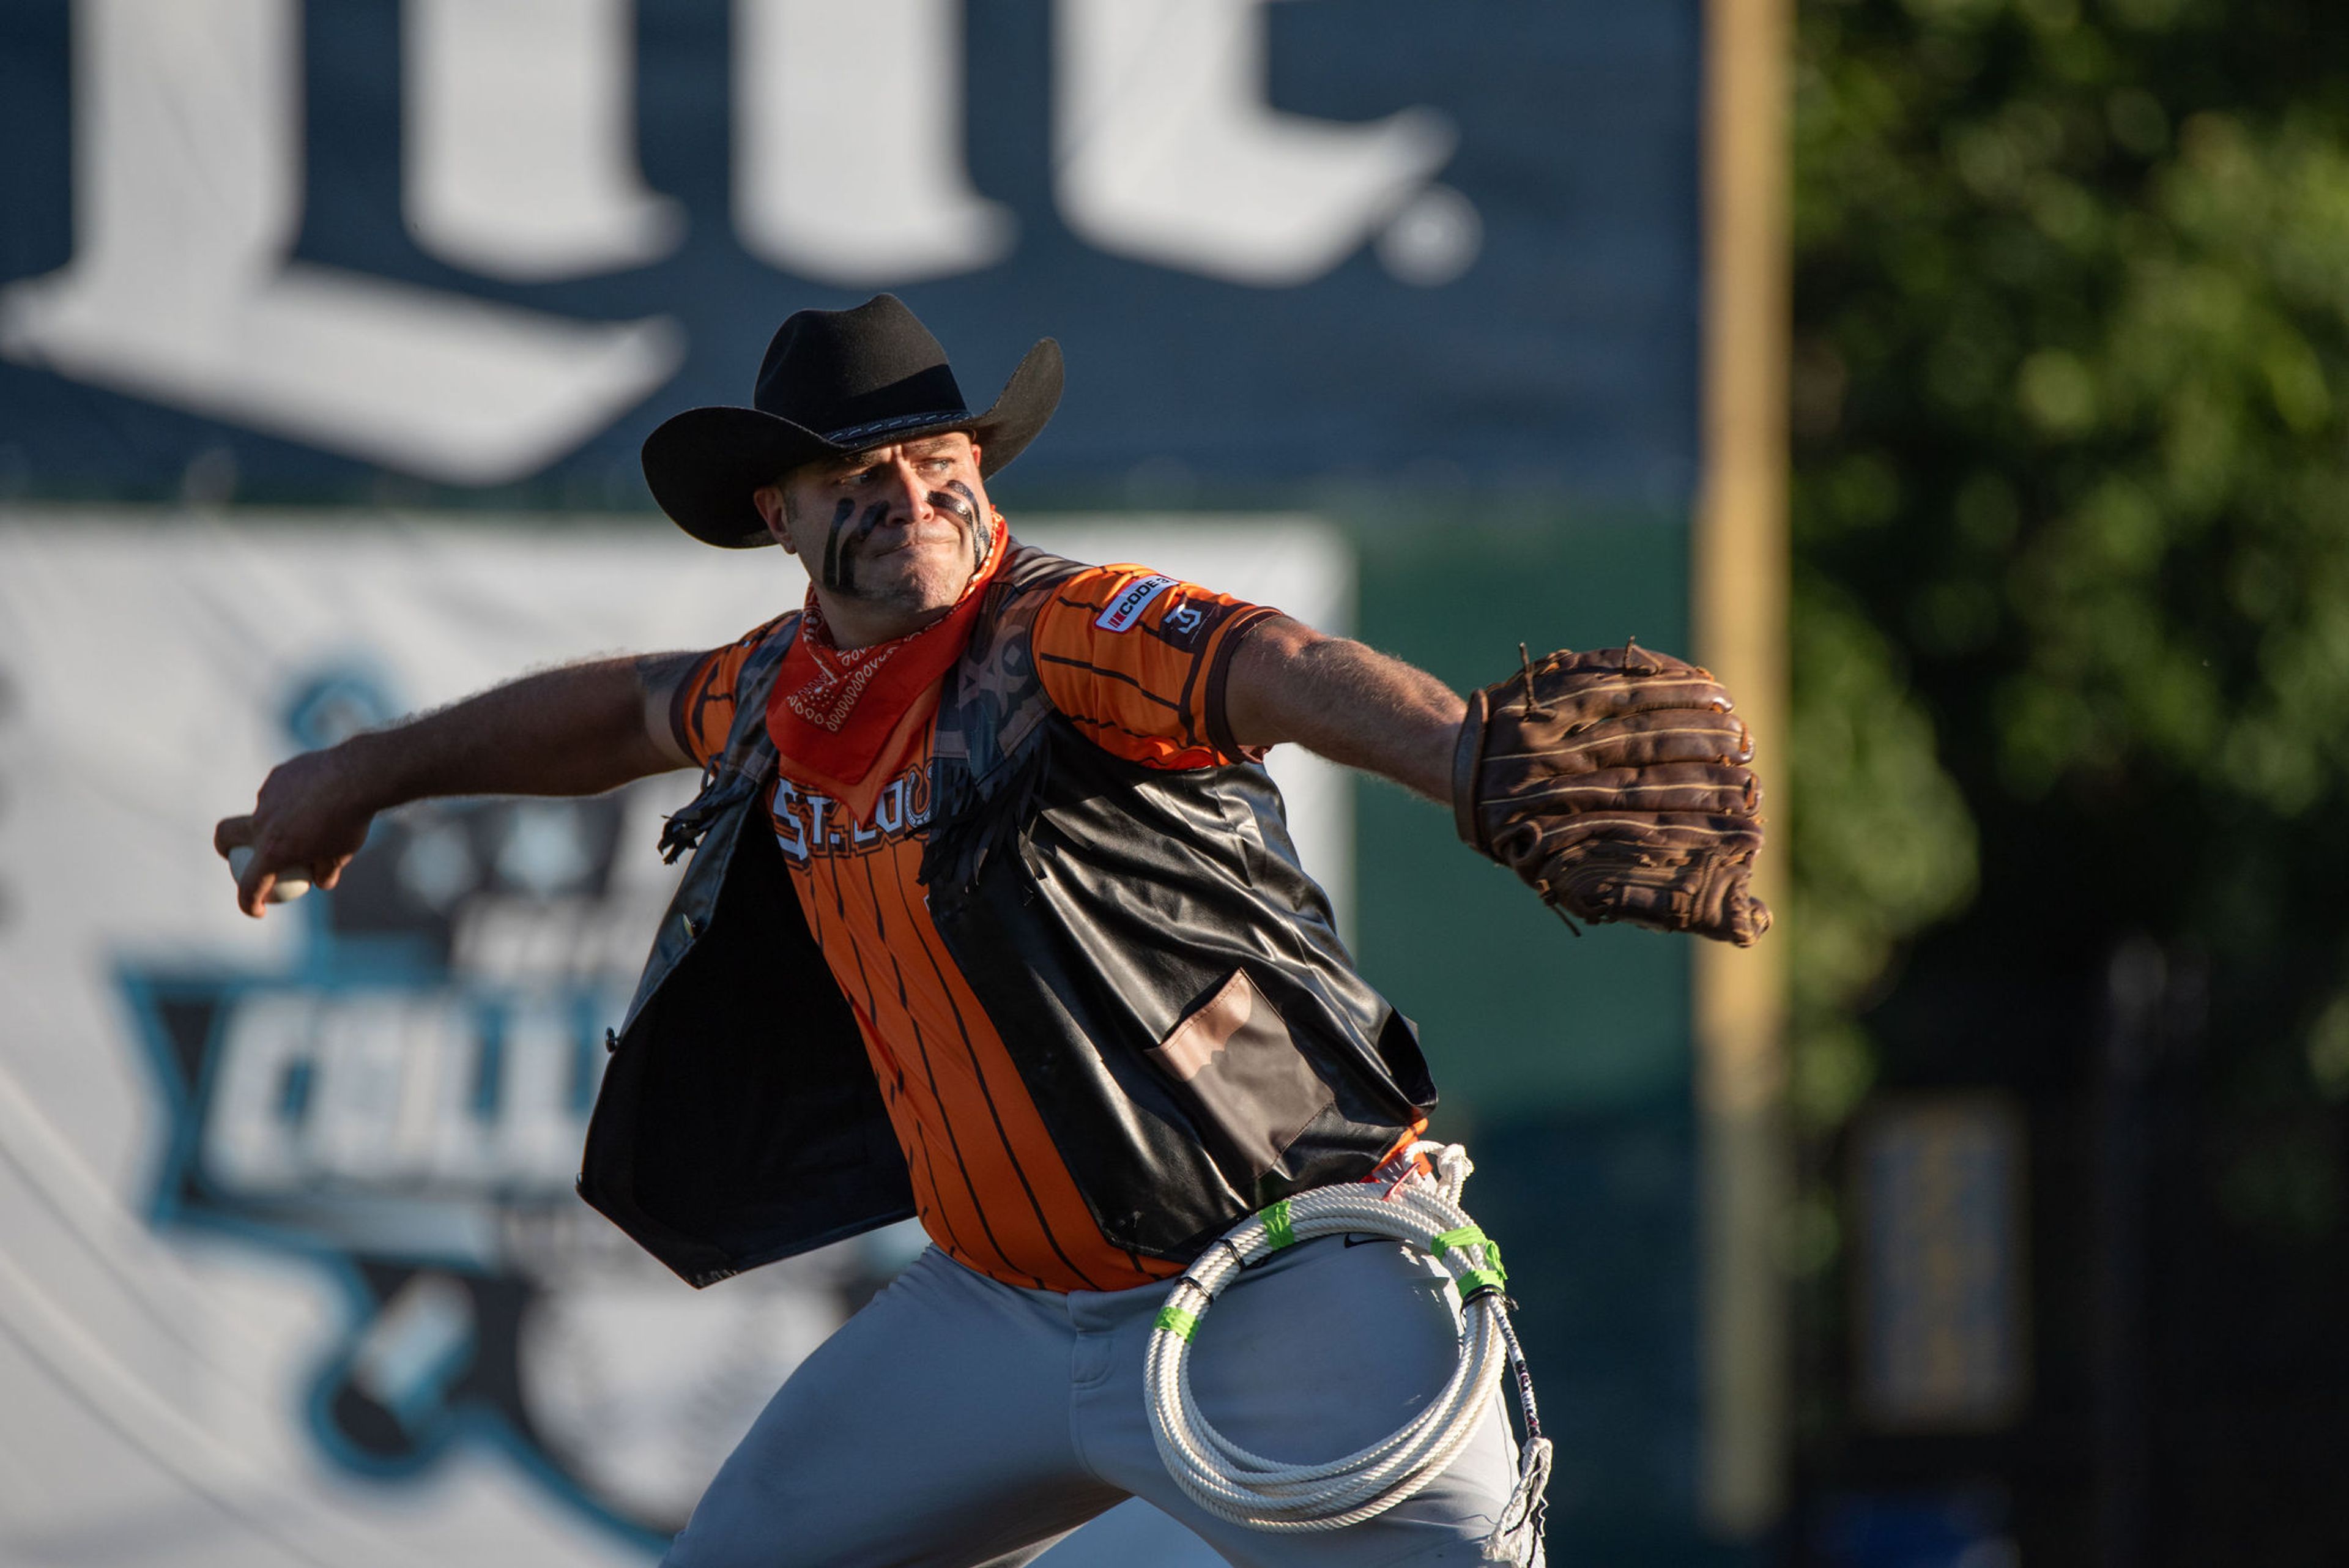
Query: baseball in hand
[{"x": 290, "y": 885}]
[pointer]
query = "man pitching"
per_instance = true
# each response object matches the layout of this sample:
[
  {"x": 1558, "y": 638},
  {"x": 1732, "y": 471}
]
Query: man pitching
[{"x": 993, "y": 920}]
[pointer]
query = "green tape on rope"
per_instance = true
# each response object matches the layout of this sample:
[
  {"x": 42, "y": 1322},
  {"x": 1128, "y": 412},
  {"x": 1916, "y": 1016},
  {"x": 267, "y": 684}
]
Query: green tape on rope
[
  {"x": 1466, "y": 1236},
  {"x": 1175, "y": 1320},
  {"x": 1476, "y": 1282},
  {"x": 1276, "y": 1229}
]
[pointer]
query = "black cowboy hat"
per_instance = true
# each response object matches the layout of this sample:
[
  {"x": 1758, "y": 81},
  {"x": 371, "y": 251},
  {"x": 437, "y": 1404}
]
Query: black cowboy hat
[{"x": 834, "y": 382}]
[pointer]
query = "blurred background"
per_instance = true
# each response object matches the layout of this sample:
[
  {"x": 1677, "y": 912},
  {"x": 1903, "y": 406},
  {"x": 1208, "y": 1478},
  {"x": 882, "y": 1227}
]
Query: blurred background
[
  {"x": 1957, "y": 376},
  {"x": 2070, "y": 642}
]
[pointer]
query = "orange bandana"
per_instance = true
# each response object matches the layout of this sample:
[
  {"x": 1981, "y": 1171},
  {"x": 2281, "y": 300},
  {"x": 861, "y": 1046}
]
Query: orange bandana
[{"x": 835, "y": 711}]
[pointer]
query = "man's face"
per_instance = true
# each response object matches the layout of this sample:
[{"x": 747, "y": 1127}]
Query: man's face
[{"x": 896, "y": 527}]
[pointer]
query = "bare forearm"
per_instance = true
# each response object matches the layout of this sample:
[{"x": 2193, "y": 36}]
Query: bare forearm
[
  {"x": 579, "y": 729},
  {"x": 1345, "y": 702}
]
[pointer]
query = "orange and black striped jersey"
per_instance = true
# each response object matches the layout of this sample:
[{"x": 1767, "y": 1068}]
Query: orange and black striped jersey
[{"x": 1137, "y": 661}]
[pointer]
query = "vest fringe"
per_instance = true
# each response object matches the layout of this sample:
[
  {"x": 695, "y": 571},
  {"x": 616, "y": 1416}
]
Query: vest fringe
[{"x": 974, "y": 817}]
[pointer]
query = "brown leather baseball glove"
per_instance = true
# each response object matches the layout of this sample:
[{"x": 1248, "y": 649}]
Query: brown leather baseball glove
[{"x": 1616, "y": 784}]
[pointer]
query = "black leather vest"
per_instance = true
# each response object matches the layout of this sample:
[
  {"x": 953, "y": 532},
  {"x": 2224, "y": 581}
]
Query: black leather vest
[{"x": 1164, "y": 976}]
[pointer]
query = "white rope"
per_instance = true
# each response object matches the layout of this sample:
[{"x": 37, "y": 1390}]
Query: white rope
[{"x": 1248, "y": 1489}]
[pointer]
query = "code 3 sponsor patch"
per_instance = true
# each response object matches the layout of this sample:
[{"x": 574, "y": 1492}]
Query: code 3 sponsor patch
[{"x": 1127, "y": 607}]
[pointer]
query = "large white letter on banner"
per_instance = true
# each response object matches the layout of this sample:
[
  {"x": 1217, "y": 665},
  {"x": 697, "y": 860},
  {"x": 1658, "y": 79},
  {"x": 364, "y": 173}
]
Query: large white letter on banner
[
  {"x": 187, "y": 197},
  {"x": 519, "y": 120},
  {"x": 848, "y": 145},
  {"x": 1166, "y": 149},
  {"x": 252, "y": 1143}
]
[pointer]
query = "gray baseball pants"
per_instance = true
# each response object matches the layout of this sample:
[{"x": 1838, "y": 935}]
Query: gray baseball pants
[{"x": 958, "y": 1422}]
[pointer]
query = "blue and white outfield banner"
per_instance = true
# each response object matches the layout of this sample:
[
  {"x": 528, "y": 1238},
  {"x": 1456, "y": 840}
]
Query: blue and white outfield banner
[
  {"x": 293, "y": 1269},
  {"x": 482, "y": 241}
]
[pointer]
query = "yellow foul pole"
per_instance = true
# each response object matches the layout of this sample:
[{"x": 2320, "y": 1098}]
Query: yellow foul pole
[{"x": 1739, "y": 577}]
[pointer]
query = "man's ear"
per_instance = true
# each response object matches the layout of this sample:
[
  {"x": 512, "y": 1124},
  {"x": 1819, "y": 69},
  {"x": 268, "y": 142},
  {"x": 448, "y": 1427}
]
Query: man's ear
[{"x": 768, "y": 500}]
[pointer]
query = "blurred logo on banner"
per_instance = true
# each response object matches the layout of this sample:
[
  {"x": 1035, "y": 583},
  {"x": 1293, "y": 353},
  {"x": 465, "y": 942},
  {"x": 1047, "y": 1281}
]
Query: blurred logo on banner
[
  {"x": 518, "y": 164},
  {"x": 407, "y": 1104},
  {"x": 377, "y": 1097},
  {"x": 478, "y": 241}
]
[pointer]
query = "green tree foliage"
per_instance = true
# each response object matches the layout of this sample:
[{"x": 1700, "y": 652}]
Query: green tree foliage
[
  {"x": 2071, "y": 501},
  {"x": 1882, "y": 840}
]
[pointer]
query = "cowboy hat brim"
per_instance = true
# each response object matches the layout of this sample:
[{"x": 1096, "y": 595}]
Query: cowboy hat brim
[{"x": 703, "y": 464}]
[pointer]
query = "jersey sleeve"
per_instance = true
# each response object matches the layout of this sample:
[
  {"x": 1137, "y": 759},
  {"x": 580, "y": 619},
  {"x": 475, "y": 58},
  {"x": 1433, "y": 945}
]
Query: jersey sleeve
[
  {"x": 1138, "y": 660},
  {"x": 701, "y": 711}
]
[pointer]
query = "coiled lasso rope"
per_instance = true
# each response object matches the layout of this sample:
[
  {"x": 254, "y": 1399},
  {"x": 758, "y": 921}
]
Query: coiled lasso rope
[{"x": 1248, "y": 1489}]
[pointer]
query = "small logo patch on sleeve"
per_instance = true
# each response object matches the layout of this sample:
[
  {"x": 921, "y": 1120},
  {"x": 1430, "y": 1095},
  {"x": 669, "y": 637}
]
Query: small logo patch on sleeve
[{"x": 1125, "y": 609}]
